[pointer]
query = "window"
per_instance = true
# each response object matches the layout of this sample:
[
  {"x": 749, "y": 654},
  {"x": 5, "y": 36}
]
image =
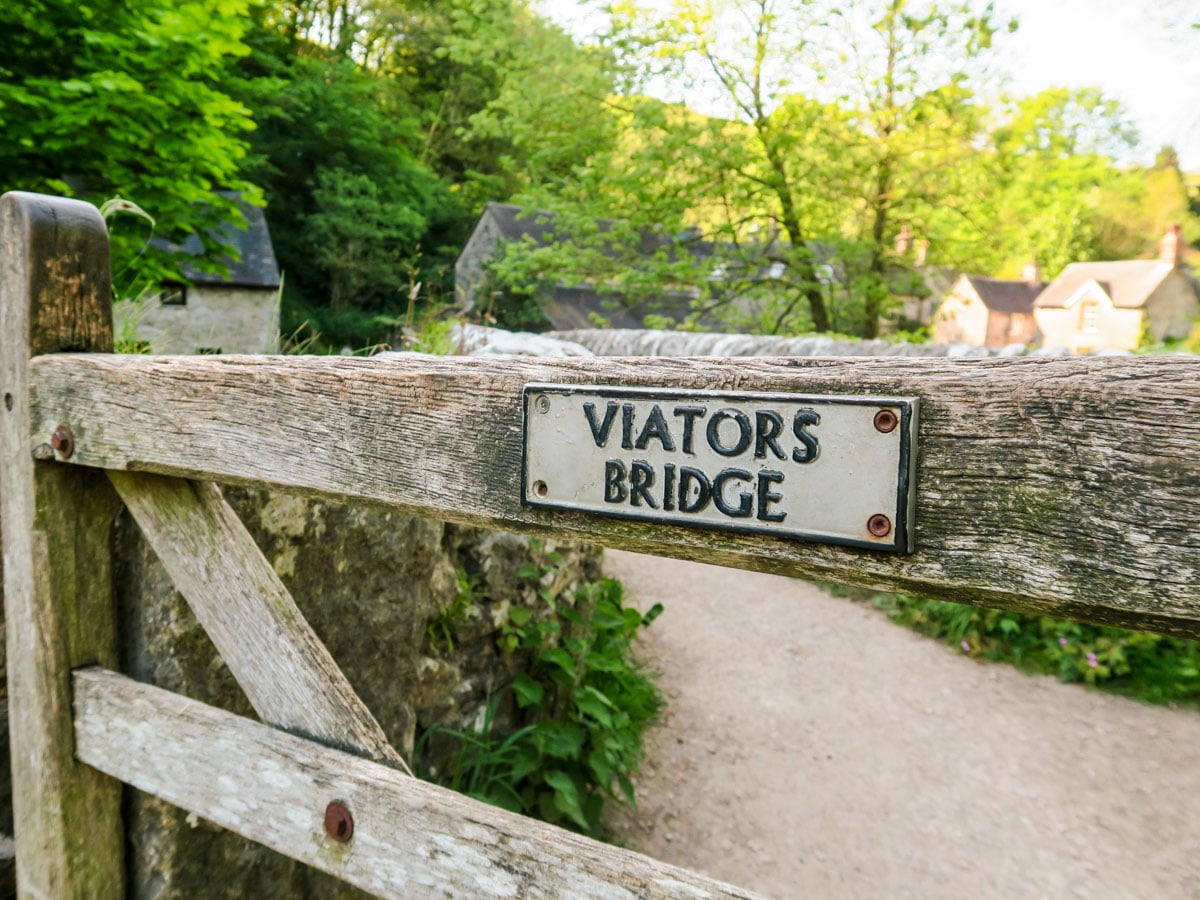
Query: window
[
  {"x": 1089, "y": 317},
  {"x": 172, "y": 293}
]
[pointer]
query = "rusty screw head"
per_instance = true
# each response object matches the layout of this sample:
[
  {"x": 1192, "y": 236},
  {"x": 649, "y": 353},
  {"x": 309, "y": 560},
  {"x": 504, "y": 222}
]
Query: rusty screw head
[
  {"x": 543, "y": 403},
  {"x": 886, "y": 421},
  {"x": 63, "y": 441},
  {"x": 879, "y": 525},
  {"x": 339, "y": 824}
]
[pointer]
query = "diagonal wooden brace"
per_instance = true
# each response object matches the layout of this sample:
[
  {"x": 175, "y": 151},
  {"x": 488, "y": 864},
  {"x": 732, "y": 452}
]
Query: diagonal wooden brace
[{"x": 287, "y": 673}]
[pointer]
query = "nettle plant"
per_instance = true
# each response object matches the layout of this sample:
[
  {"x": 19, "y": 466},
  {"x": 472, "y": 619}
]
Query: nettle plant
[{"x": 584, "y": 700}]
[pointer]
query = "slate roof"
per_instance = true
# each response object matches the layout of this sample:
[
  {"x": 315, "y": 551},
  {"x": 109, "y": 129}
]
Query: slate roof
[
  {"x": 570, "y": 308},
  {"x": 1128, "y": 283},
  {"x": 515, "y": 223},
  {"x": 1004, "y": 295},
  {"x": 256, "y": 268}
]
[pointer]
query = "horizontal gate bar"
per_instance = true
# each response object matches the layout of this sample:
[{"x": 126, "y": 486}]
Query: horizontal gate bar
[
  {"x": 408, "y": 838},
  {"x": 1068, "y": 486}
]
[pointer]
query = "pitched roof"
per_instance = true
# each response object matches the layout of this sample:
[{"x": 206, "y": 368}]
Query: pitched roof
[
  {"x": 574, "y": 307},
  {"x": 1006, "y": 295},
  {"x": 516, "y": 223},
  {"x": 256, "y": 266},
  {"x": 1128, "y": 282}
]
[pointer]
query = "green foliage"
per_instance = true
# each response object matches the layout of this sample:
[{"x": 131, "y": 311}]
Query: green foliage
[
  {"x": 1148, "y": 667},
  {"x": 441, "y": 629},
  {"x": 512, "y": 283},
  {"x": 584, "y": 700},
  {"x": 350, "y": 206},
  {"x": 328, "y": 330},
  {"x": 1192, "y": 344},
  {"x": 456, "y": 59},
  {"x": 129, "y": 98},
  {"x": 845, "y": 123},
  {"x": 544, "y": 110},
  {"x": 359, "y": 236},
  {"x": 435, "y": 336},
  {"x": 1055, "y": 193},
  {"x": 300, "y": 341},
  {"x": 516, "y": 309},
  {"x": 127, "y": 285},
  {"x": 375, "y": 131}
]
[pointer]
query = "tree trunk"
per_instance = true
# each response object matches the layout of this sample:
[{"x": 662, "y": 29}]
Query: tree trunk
[
  {"x": 882, "y": 198},
  {"x": 878, "y": 287},
  {"x": 802, "y": 258}
]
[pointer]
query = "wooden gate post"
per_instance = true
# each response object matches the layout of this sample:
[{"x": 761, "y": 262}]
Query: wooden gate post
[{"x": 55, "y": 296}]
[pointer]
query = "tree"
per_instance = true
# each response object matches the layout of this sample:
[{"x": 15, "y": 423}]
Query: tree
[
  {"x": 1167, "y": 197},
  {"x": 750, "y": 69},
  {"x": 365, "y": 31},
  {"x": 523, "y": 114},
  {"x": 360, "y": 237},
  {"x": 508, "y": 102},
  {"x": 1052, "y": 177},
  {"x": 354, "y": 214},
  {"x": 905, "y": 69},
  {"x": 850, "y": 123},
  {"x": 127, "y": 97},
  {"x": 652, "y": 210}
]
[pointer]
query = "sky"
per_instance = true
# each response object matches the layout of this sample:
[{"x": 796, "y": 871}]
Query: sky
[{"x": 1141, "y": 52}]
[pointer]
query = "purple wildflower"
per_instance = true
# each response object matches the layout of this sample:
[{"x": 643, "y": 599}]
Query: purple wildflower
[
  {"x": 966, "y": 646},
  {"x": 1062, "y": 641},
  {"x": 1092, "y": 660}
]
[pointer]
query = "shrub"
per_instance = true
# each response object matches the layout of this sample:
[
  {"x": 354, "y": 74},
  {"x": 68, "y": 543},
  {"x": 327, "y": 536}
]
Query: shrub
[{"x": 584, "y": 703}]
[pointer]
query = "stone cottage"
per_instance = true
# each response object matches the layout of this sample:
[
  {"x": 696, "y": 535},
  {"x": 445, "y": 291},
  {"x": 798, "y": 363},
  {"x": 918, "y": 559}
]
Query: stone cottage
[
  {"x": 989, "y": 312},
  {"x": 210, "y": 313},
  {"x": 565, "y": 306},
  {"x": 1115, "y": 305}
]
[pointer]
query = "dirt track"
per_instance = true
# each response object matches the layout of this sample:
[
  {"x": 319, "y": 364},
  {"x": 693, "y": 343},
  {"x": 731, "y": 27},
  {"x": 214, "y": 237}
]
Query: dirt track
[{"x": 813, "y": 749}]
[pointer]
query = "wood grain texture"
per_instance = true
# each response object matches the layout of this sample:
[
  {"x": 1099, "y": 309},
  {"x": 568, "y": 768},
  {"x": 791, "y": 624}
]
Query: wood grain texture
[
  {"x": 1068, "y": 486},
  {"x": 57, "y": 521},
  {"x": 411, "y": 838},
  {"x": 287, "y": 673}
]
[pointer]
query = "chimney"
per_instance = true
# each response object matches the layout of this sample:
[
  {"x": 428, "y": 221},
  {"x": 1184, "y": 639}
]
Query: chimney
[
  {"x": 1170, "y": 248},
  {"x": 903, "y": 241},
  {"x": 922, "y": 250},
  {"x": 1032, "y": 273}
]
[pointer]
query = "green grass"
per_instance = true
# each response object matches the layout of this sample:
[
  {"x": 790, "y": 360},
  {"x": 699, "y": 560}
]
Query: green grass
[{"x": 1149, "y": 667}]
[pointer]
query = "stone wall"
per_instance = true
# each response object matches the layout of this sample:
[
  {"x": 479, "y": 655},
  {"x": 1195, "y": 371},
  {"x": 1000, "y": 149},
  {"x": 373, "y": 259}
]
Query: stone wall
[
  {"x": 215, "y": 318},
  {"x": 651, "y": 342},
  {"x": 380, "y": 589}
]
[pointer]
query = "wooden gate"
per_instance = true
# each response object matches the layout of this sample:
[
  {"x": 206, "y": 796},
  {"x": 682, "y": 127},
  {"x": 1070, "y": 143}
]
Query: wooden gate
[{"x": 1066, "y": 486}]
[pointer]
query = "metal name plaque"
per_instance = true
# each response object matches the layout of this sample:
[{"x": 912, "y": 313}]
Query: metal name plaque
[{"x": 833, "y": 469}]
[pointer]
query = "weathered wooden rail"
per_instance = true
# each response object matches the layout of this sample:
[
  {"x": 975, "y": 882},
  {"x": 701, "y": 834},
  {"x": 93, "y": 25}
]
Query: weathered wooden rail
[{"x": 1063, "y": 485}]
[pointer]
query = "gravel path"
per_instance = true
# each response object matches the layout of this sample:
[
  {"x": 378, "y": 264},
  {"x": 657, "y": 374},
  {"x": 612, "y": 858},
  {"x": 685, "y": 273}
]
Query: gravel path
[{"x": 813, "y": 749}]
